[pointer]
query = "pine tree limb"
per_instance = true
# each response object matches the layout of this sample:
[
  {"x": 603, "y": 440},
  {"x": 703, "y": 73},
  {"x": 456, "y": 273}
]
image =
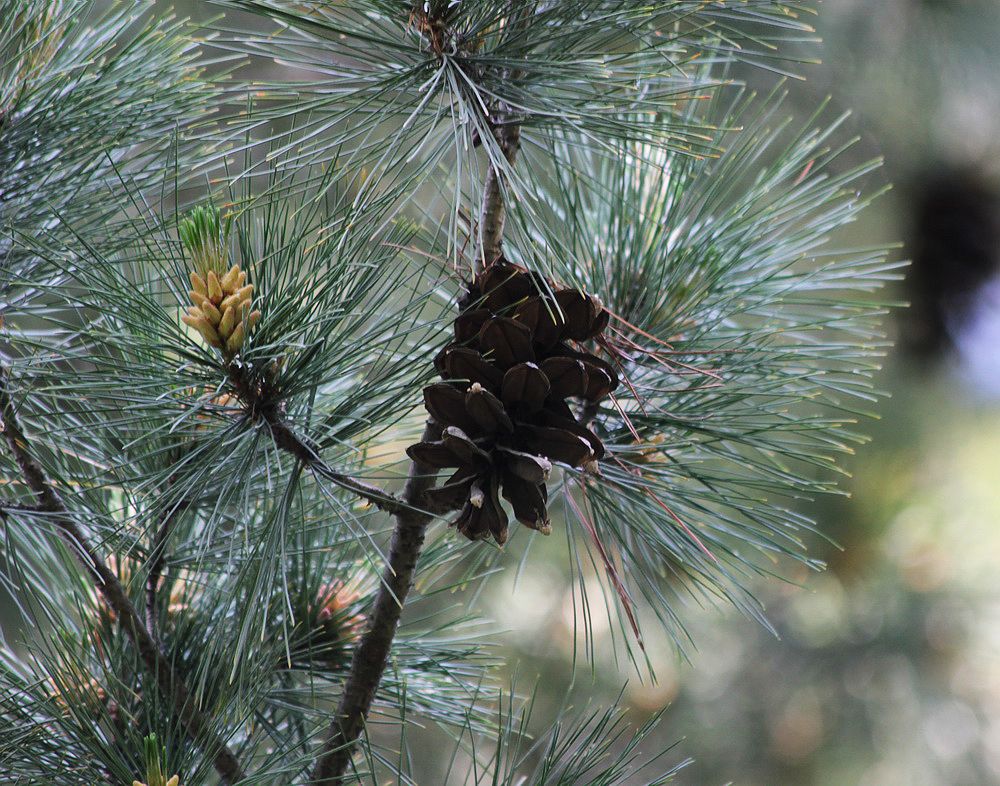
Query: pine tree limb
[
  {"x": 170, "y": 684},
  {"x": 262, "y": 408},
  {"x": 372, "y": 653},
  {"x": 493, "y": 215},
  {"x": 286, "y": 439}
]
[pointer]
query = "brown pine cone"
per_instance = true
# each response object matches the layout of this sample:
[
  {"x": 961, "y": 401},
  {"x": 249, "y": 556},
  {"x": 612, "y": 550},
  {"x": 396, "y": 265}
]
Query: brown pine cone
[{"x": 504, "y": 407}]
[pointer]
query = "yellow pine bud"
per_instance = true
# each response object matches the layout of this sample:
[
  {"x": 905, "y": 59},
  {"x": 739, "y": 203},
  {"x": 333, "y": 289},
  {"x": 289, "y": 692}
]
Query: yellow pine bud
[
  {"x": 193, "y": 319},
  {"x": 212, "y": 337},
  {"x": 214, "y": 287},
  {"x": 240, "y": 295},
  {"x": 212, "y": 314},
  {"x": 205, "y": 328},
  {"x": 199, "y": 285},
  {"x": 228, "y": 322},
  {"x": 221, "y": 308},
  {"x": 229, "y": 281},
  {"x": 235, "y": 340}
]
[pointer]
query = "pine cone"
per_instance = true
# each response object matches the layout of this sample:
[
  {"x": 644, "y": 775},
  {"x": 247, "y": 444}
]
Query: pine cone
[{"x": 503, "y": 408}]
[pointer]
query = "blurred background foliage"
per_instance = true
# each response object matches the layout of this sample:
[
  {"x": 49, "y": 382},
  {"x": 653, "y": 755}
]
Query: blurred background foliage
[{"x": 886, "y": 667}]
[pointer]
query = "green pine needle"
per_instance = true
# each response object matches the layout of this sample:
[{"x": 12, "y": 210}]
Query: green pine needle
[{"x": 204, "y": 234}]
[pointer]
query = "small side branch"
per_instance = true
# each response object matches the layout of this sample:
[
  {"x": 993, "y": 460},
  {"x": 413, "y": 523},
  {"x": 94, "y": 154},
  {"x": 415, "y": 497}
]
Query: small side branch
[
  {"x": 5, "y": 510},
  {"x": 287, "y": 440},
  {"x": 170, "y": 684}
]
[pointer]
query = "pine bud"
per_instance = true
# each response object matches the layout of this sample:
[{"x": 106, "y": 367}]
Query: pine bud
[
  {"x": 204, "y": 237},
  {"x": 229, "y": 281},
  {"x": 235, "y": 339},
  {"x": 155, "y": 754},
  {"x": 199, "y": 285},
  {"x": 648, "y": 451},
  {"x": 214, "y": 288},
  {"x": 228, "y": 322},
  {"x": 221, "y": 309},
  {"x": 333, "y": 618},
  {"x": 336, "y": 603}
]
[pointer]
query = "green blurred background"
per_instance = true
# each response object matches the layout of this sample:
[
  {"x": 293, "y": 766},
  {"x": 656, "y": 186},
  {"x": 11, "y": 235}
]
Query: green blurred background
[{"x": 886, "y": 670}]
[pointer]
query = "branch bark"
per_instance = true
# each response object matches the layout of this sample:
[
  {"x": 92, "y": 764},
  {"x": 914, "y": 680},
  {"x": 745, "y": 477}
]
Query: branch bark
[
  {"x": 493, "y": 215},
  {"x": 170, "y": 684},
  {"x": 372, "y": 653},
  {"x": 371, "y": 656},
  {"x": 286, "y": 439}
]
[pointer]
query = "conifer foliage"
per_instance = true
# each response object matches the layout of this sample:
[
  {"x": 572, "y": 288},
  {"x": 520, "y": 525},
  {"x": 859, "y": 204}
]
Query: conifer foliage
[{"x": 264, "y": 338}]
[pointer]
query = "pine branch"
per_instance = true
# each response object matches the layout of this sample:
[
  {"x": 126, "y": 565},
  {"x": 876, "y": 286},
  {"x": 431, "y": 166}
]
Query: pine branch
[
  {"x": 286, "y": 439},
  {"x": 372, "y": 653},
  {"x": 494, "y": 213},
  {"x": 6, "y": 509},
  {"x": 169, "y": 682}
]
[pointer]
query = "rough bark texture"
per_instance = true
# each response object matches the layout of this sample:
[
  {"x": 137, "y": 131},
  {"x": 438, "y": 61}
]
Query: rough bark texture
[{"x": 372, "y": 653}]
